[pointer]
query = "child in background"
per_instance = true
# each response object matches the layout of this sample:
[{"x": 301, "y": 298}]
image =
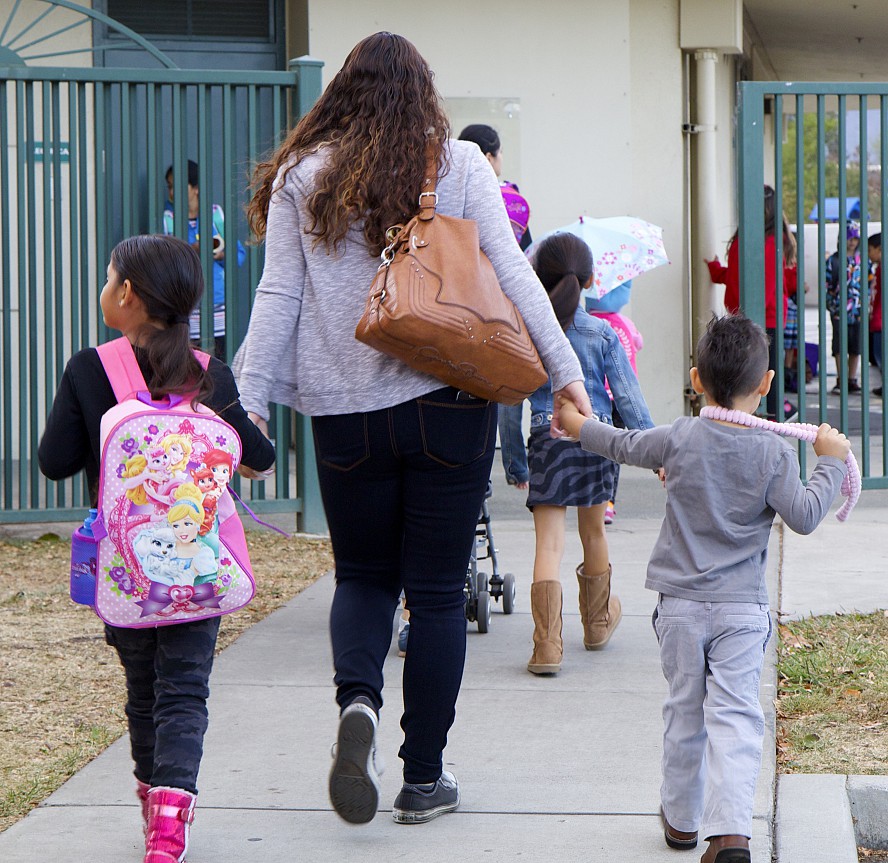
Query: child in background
[
  {"x": 153, "y": 284},
  {"x": 219, "y": 251},
  {"x": 608, "y": 309},
  {"x": 729, "y": 275},
  {"x": 874, "y": 248},
  {"x": 562, "y": 475},
  {"x": 834, "y": 281},
  {"x": 725, "y": 482}
]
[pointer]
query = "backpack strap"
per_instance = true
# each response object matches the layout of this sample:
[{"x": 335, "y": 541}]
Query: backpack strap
[
  {"x": 120, "y": 364},
  {"x": 122, "y": 368}
]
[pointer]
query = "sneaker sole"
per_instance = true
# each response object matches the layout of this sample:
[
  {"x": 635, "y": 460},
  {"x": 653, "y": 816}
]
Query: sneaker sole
[
  {"x": 354, "y": 787},
  {"x": 410, "y": 816}
]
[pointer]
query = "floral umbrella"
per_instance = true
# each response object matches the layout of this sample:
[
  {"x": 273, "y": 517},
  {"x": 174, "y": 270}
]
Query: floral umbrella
[{"x": 622, "y": 247}]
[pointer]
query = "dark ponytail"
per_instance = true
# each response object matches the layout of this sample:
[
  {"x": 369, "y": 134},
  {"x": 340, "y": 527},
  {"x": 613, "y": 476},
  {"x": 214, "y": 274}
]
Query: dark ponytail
[
  {"x": 563, "y": 264},
  {"x": 167, "y": 277}
]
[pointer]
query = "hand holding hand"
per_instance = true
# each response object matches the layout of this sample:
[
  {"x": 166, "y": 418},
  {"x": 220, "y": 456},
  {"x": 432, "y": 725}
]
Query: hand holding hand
[
  {"x": 831, "y": 441},
  {"x": 574, "y": 392},
  {"x": 570, "y": 418}
]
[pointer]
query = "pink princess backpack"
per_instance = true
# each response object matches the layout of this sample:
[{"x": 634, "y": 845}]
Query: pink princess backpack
[
  {"x": 517, "y": 208},
  {"x": 171, "y": 546}
]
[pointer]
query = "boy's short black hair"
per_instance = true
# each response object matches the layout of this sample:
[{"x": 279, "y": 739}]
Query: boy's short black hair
[
  {"x": 193, "y": 173},
  {"x": 875, "y": 240},
  {"x": 732, "y": 358}
]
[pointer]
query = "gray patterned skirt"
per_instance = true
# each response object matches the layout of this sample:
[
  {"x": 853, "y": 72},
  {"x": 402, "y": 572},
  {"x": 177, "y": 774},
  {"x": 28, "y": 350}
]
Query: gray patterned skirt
[{"x": 564, "y": 474}]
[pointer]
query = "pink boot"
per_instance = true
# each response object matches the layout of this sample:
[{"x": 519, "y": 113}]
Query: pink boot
[
  {"x": 142, "y": 789},
  {"x": 170, "y": 813}
]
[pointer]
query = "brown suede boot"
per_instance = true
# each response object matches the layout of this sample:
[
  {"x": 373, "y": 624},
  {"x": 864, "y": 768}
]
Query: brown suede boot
[
  {"x": 599, "y": 610},
  {"x": 545, "y": 603}
]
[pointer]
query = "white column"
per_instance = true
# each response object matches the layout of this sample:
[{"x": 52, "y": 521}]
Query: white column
[{"x": 705, "y": 213}]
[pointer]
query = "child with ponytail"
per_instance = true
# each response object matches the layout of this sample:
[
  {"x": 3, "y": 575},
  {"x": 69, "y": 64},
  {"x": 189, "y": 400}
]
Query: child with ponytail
[
  {"x": 153, "y": 284},
  {"x": 562, "y": 474}
]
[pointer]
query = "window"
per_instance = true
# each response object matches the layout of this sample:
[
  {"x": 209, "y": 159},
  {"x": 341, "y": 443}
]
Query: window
[{"x": 195, "y": 19}]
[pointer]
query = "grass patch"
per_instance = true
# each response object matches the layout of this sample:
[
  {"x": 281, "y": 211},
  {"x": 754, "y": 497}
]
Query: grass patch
[
  {"x": 61, "y": 687},
  {"x": 832, "y": 704}
]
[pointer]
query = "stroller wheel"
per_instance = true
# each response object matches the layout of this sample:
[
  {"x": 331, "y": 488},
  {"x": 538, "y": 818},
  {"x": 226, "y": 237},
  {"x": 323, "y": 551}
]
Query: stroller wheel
[
  {"x": 483, "y": 611},
  {"x": 508, "y": 593}
]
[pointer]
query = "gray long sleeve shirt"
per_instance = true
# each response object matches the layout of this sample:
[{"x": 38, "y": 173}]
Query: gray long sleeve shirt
[
  {"x": 301, "y": 349},
  {"x": 724, "y": 485}
]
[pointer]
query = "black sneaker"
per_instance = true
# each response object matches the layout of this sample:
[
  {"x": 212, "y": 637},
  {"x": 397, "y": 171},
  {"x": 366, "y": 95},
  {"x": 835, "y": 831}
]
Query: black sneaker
[
  {"x": 853, "y": 386},
  {"x": 877, "y": 391},
  {"x": 354, "y": 781},
  {"x": 418, "y": 803}
]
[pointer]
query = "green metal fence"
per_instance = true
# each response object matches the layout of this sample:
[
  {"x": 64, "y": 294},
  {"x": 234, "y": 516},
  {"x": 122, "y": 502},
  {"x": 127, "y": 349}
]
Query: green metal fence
[
  {"x": 806, "y": 131},
  {"x": 83, "y": 159}
]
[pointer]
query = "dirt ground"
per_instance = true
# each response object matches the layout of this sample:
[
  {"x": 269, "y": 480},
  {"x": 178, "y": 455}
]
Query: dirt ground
[
  {"x": 832, "y": 705},
  {"x": 61, "y": 687}
]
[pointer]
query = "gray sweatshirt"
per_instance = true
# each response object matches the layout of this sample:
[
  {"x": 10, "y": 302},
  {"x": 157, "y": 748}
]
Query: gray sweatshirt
[
  {"x": 301, "y": 349},
  {"x": 724, "y": 485}
]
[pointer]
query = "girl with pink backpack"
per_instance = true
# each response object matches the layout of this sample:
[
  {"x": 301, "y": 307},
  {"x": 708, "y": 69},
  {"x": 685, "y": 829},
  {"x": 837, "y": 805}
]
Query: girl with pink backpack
[{"x": 153, "y": 284}]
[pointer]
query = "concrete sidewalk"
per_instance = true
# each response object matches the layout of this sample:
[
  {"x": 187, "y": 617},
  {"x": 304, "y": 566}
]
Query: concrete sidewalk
[{"x": 563, "y": 768}]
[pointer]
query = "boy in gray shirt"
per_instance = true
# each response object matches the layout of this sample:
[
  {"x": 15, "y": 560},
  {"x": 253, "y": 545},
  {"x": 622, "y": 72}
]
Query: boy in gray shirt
[{"x": 725, "y": 483}]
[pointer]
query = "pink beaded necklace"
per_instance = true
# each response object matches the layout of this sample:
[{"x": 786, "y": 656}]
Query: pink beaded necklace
[{"x": 802, "y": 431}]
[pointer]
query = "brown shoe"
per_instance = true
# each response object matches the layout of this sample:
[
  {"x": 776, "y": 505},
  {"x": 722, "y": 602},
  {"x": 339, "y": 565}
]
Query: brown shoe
[
  {"x": 727, "y": 849},
  {"x": 600, "y": 611},
  {"x": 678, "y": 839},
  {"x": 545, "y": 604}
]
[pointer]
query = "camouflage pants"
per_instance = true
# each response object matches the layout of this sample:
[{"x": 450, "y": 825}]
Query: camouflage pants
[{"x": 167, "y": 685}]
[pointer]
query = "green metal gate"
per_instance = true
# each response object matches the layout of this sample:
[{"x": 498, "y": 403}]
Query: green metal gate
[
  {"x": 83, "y": 155},
  {"x": 805, "y": 131}
]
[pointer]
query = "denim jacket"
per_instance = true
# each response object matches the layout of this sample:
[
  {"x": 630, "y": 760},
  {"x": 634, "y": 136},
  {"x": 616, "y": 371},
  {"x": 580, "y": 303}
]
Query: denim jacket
[{"x": 601, "y": 356}]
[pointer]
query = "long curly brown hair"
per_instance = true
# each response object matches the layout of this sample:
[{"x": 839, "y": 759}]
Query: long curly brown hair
[{"x": 379, "y": 117}]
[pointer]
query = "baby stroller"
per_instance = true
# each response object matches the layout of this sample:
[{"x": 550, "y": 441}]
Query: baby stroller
[{"x": 481, "y": 588}]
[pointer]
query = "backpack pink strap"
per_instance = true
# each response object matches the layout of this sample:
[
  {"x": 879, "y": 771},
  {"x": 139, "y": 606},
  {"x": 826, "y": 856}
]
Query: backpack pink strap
[
  {"x": 119, "y": 363},
  {"x": 122, "y": 368}
]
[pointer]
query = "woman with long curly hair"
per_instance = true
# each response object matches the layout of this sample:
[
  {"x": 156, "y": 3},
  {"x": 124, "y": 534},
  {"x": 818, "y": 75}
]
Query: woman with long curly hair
[{"x": 403, "y": 461}]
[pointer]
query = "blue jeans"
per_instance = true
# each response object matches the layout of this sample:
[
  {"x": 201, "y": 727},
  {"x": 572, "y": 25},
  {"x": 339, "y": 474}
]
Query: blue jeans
[
  {"x": 512, "y": 447},
  {"x": 167, "y": 672},
  {"x": 402, "y": 489},
  {"x": 712, "y": 655}
]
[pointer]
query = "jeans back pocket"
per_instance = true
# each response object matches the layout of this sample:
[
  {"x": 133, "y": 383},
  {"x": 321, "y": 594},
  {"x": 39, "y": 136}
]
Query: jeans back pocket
[
  {"x": 456, "y": 430},
  {"x": 342, "y": 441}
]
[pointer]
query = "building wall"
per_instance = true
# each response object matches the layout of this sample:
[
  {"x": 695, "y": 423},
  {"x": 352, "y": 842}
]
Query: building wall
[
  {"x": 599, "y": 99},
  {"x": 27, "y": 357},
  {"x": 590, "y": 115}
]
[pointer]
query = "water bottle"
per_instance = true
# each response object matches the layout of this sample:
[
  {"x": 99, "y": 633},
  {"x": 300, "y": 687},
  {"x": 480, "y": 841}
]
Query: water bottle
[{"x": 84, "y": 555}]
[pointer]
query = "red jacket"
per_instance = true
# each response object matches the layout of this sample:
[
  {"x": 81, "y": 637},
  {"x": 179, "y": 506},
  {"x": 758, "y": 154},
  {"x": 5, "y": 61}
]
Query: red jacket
[
  {"x": 729, "y": 276},
  {"x": 875, "y": 321}
]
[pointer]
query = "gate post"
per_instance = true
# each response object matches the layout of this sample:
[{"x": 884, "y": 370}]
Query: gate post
[
  {"x": 310, "y": 519},
  {"x": 308, "y": 75},
  {"x": 750, "y": 188}
]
